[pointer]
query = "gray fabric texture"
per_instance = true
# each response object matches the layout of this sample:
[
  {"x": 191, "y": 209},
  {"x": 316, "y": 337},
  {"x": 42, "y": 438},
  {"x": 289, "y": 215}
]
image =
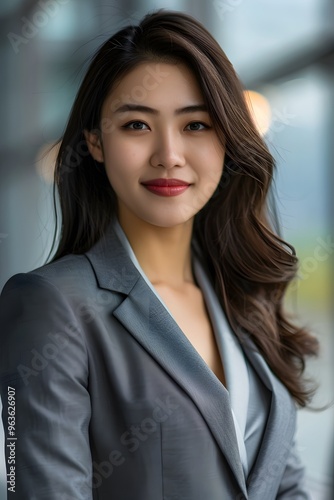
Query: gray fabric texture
[{"x": 113, "y": 401}]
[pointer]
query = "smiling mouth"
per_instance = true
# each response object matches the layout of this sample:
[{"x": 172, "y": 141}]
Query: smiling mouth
[{"x": 166, "y": 187}]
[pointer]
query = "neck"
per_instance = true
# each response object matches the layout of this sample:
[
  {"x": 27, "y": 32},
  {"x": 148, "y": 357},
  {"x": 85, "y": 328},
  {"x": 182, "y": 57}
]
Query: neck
[{"x": 164, "y": 253}]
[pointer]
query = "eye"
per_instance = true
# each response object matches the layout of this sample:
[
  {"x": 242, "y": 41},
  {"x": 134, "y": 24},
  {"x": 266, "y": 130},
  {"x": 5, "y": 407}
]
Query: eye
[
  {"x": 197, "y": 126},
  {"x": 135, "y": 125}
]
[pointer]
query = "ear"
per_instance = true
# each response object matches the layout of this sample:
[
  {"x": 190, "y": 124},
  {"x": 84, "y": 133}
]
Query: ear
[{"x": 94, "y": 145}]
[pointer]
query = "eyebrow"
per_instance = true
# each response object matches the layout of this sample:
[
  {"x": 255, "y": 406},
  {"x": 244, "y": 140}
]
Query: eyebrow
[{"x": 146, "y": 109}]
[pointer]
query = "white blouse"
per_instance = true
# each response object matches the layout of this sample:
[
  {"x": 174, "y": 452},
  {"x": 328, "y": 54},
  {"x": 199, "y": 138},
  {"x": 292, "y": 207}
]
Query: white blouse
[{"x": 249, "y": 398}]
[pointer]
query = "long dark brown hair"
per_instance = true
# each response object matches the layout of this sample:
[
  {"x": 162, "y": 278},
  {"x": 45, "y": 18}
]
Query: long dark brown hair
[{"x": 250, "y": 265}]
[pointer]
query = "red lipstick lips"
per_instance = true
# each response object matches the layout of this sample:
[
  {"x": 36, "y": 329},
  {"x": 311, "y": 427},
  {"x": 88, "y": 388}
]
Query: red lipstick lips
[{"x": 166, "y": 187}]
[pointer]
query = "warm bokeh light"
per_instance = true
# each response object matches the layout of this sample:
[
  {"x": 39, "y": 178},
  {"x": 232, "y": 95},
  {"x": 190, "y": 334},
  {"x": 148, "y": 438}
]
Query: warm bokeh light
[
  {"x": 46, "y": 160},
  {"x": 260, "y": 110}
]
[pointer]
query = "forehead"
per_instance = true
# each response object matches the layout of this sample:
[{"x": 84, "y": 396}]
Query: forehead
[{"x": 157, "y": 84}]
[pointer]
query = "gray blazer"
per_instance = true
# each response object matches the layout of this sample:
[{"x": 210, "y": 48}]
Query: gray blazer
[{"x": 112, "y": 402}]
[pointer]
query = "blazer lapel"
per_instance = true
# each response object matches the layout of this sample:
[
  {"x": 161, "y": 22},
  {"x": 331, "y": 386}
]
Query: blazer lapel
[
  {"x": 277, "y": 441},
  {"x": 145, "y": 317}
]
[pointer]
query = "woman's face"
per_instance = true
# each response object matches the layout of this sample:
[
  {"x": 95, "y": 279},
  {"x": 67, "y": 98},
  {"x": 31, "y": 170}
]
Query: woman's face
[{"x": 161, "y": 154}]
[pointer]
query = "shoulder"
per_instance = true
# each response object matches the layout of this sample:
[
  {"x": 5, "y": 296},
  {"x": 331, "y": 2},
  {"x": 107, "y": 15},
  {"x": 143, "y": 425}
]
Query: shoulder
[
  {"x": 60, "y": 291},
  {"x": 38, "y": 311},
  {"x": 65, "y": 290},
  {"x": 70, "y": 268},
  {"x": 66, "y": 275}
]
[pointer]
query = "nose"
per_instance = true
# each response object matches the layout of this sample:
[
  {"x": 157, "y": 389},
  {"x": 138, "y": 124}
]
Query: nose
[{"x": 168, "y": 151}]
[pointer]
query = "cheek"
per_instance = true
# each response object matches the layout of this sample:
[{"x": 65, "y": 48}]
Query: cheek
[
  {"x": 211, "y": 171},
  {"x": 209, "y": 156},
  {"x": 114, "y": 166},
  {"x": 120, "y": 162},
  {"x": 119, "y": 150},
  {"x": 211, "y": 182}
]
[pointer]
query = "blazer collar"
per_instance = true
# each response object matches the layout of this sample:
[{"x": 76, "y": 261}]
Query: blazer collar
[{"x": 113, "y": 268}]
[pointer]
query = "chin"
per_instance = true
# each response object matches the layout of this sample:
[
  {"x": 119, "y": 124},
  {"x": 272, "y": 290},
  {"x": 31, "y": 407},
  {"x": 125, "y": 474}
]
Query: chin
[{"x": 168, "y": 220}]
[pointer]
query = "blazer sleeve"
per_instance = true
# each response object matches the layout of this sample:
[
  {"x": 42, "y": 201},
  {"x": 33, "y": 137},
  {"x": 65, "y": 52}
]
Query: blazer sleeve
[
  {"x": 43, "y": 383},
  {"x": 292, "y": 485}
]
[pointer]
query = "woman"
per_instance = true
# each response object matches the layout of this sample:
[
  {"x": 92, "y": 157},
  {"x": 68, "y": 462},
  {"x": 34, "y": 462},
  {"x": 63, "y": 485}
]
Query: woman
[{"x": 151, "y": 358}]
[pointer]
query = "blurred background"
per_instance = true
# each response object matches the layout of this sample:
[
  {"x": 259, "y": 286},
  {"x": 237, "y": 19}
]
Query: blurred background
[{"x": 283, "y": 51}]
